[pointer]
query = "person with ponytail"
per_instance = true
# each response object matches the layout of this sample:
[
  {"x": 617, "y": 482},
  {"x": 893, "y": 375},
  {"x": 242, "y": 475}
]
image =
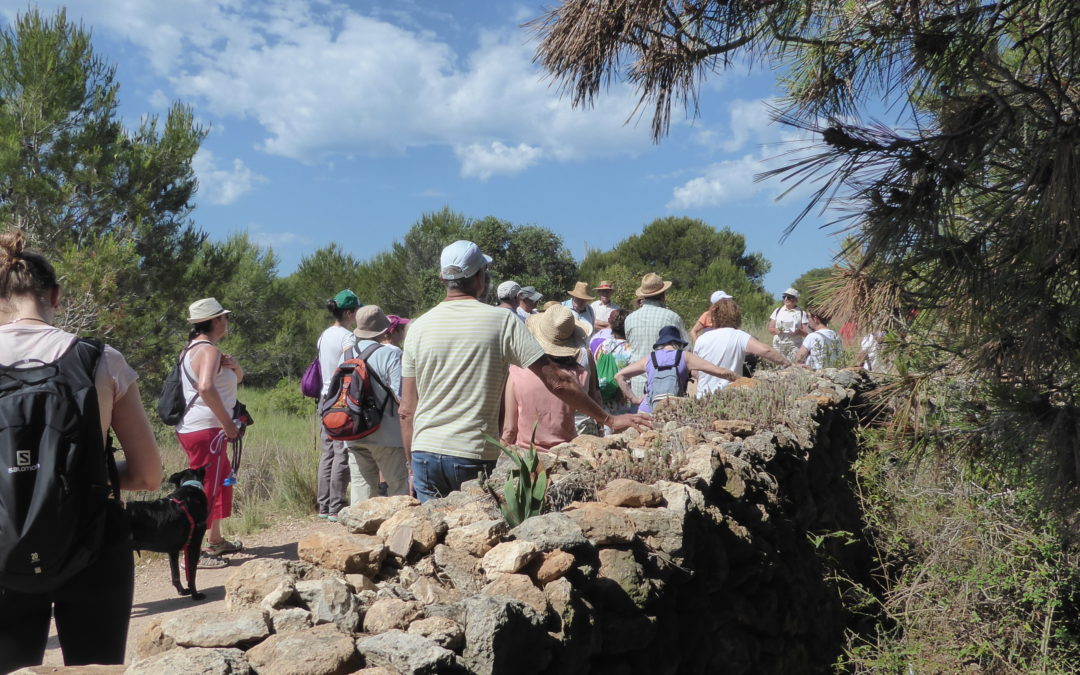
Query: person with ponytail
[
  {"x": 210, "y": 381},
  {"x": 92, "y": 609},
  {"x": 335, "y": 345}
]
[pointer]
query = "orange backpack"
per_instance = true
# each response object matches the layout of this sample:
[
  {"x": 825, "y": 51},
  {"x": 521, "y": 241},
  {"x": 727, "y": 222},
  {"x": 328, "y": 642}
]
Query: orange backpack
[{"x": 350, "y": 409}]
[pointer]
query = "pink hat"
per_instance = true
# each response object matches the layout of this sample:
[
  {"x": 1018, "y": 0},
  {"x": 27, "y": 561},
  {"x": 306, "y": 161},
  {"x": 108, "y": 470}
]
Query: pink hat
[{"x": 396, "y": 321}]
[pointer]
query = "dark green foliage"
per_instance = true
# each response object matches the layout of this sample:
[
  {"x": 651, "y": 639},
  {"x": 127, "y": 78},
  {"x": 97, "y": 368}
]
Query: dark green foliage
[
  {"x": 696, "y": 257},
  {"x": 809, "y": 285}
]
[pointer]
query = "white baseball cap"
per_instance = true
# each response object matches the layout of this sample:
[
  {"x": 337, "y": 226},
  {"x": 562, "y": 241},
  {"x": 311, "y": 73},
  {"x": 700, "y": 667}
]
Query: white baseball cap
[
  {"x": 718, "y": 296},
  {"x": 507, "y": 289},
  {"x": 461, "y": 260}
]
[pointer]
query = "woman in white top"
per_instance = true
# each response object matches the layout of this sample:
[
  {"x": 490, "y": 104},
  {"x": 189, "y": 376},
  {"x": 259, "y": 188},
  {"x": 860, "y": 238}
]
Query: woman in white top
[
  {"x": 788, "y": 325},
  {"x": 210, "y": 381},
  {"x": 727, "y": 346},
  {"x": 335, "y": 345},
  {"x": 93, "y": 608}
]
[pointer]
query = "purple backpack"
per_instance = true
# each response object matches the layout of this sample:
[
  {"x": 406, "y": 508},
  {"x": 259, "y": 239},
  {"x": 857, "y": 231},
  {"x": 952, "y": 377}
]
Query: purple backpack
[{"x": 311, "y": 382}]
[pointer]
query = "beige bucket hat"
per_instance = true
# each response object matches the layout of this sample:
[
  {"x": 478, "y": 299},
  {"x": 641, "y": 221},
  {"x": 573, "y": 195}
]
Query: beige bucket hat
[
  {"x": 370, "y": 322},
  {"x": 652, "y": 284},
  {"x": 204, "y": 310},
  {"x": 558, "y": 332}
]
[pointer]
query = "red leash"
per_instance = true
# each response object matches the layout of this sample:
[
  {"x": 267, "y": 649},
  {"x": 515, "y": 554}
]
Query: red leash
[{"x": 191, "y": 525}]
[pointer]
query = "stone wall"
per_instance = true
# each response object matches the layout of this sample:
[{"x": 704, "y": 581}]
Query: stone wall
[{"x": 716, "y": 570}]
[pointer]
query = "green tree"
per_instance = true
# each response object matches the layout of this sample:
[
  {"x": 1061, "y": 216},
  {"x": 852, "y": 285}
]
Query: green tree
[
  {"x": 696, "y": 257},
  {"x": 813, "y": 285},
  {"x": 108, "y": 205}
]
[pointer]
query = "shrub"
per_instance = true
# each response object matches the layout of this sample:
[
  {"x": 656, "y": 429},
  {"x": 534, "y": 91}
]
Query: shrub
[{"x": 285, "y": 397}]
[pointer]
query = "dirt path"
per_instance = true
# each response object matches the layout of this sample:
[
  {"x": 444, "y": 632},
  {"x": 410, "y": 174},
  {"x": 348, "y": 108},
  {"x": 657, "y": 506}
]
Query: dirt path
[{"x": 155, "y": 595}]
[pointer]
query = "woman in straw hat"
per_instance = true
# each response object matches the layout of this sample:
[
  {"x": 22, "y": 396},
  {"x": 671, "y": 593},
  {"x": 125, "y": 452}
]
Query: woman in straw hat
[
  {"x": 210, "y": 380},
  {"x": 528, "y": 401}
]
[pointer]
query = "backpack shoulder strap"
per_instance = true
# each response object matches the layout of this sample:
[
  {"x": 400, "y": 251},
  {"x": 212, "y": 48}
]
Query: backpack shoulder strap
[
  {"x": 678, "y": 358},
  {"x": 652, "y": 357},
  {"x": 368, "y": 351},
  {"x": 88, "y": 353}
]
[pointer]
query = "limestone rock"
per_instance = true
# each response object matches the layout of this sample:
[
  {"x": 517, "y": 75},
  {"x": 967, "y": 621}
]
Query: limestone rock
[
  {"x": 317, "y": 651},
  {"x": 281, "y": 596},
  {"x": 660, "y": 529},
  {"x": 740, "y": 428},
  {"x": 412, "y": 531},
  {"x": 70, "y": 670},
  {"x": 476, "y": 538},
  {"x": 329, "y": 601},
  {"x": 575, "y": 628},
  {"x": 508, "y": 557},
  {"x": 430, "y": 592},
  {"x": 444, "y": 632},
  {"x": 626, "y": 492},
  {"x": 376, "y": 670},
  {"x": 198, "y": 660},
  {"x": 551, "y": 531},
  {"x": 391, "y": 613},
  {"x": 203, "y": 628},
  {"x": 602, "y": 524},
  {"x": 248, "y": 584},
  {"x": 620, "y": 567},
  {"x": 459, "y": 567},
  {"x": 153, "y": 640},
  {"x": 368, "y": 515},
  {"x": 747, "y": 382},
  {"x": 290, "y": 619},
  {"x": 407, "y": 653},
  {"x": 554, "y": 565},
  {"x": 520, "y": 587},
  {"x": 502, "y": 635},
  {"x": 360, "y": 582},
  {"x": 344, "y": 552}
]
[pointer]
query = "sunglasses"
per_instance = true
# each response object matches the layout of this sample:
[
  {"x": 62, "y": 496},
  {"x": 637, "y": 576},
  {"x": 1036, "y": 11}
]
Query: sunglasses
[{"x": 788, "y": 297}]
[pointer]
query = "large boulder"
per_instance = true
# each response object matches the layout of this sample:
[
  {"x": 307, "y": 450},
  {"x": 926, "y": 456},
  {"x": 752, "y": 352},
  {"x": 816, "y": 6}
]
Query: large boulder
[
  {"x": 368, "y": 515},
  {"x": 344, "y": 552},
  {"x": 329, "y": 601},
  {"x": 408, "y": 654},
  {"x": 317, "y": 651},
  {"x": 412, "y": 531},
  {"x": 602, "y": 524},
  {"x": 551, "y": 531},
  {"x": 502, "y": 635},
  {"x": 626, "y": 492},
  {"x": 459, "y": 568},
  {"x": 199, "y": 660},
  {"x": 520, "y": 587},
  {"x": 248, "y": 584},
  {"x": 391, "y": 613},
  {"x": 476, "y": 538},
  {"x": 508, "y": 557},
  {"x": 441, "y": 630},
  {"x": 198, "y": 627},
  {"x": 153, "y": 640}
]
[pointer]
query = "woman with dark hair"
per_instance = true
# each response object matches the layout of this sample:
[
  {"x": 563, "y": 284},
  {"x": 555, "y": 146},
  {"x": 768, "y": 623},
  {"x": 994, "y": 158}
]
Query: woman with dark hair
[
  {"x": 210, "y": 381},
  {"x": 727, "y": 346},
  {"x": 93, "y": 608},
  {"x": 335, "y": 345}
]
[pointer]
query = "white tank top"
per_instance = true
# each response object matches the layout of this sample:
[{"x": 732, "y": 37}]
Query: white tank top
[{"x": 199, "y": 416}]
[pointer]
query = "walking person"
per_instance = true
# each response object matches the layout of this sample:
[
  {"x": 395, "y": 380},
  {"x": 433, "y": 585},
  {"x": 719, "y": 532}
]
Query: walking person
[
  {"x": 381, "y": 452},
  {"x": 603, "y": 307},
  {"x": 726, "y": 345},
  {"x": 644, "y": 324},
  {"x": 92, "y": 608},
  {"x": 210, "y": 382},
  {"x": 333, "y": 345},
  {"x": 453, "y": 372},
  {"x": 788, "y": 325}
]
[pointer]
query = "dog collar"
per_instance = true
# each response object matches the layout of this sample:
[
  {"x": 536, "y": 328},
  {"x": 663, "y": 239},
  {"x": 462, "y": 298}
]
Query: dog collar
[{"x": 193, "y": 483}]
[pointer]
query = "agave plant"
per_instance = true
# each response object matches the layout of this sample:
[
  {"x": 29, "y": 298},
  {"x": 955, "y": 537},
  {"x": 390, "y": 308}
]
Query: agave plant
[{"x": 527, "y": 484}]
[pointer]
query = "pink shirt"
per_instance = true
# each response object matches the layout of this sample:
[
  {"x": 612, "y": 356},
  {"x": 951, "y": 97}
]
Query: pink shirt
[{"x": 536, "y": 403}]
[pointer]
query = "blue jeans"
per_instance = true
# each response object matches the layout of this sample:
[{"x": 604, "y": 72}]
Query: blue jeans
[{"x": 436, "y": 475}]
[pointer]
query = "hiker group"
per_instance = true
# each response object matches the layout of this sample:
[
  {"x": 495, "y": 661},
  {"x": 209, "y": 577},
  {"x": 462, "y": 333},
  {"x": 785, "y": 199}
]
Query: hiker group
[{"x": 405, "y": 406}]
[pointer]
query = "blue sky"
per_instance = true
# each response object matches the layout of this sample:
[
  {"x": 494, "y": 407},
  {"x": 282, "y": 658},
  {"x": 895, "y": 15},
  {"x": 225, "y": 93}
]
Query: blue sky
[{"x": 345, "y": 121}]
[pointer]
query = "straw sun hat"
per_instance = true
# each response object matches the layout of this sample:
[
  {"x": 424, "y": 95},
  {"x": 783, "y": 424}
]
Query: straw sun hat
[
  {"x": 581, "y": 291},
  {"x": 204, "y": 310},
  {"x": 652, "y": 284},
  {"x": 558, "y": 332}
]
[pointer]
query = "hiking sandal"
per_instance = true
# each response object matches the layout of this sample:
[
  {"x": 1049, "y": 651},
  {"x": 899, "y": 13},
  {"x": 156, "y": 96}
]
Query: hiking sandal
[{"x": 222, "y": 547}]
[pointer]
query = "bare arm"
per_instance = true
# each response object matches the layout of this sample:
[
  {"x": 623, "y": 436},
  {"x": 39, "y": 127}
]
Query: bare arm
[
  {"x": 229, "y": 362},
  {"x": 800, "y": 356},
  {"x": 406, "y": 410},
  {"x": 141, "y": 467},
  {"x": 695, "y": 362},
  {"x": 697, "y": 330},
  {"x": 623, "y": 378},
  {"x": 564, "y": 384},
  {"x": 206, "y": 363},
  {"x": 510, "y": 414},
  {"x": 772, "y": 327},
  {"x": 759, "y": 348}
]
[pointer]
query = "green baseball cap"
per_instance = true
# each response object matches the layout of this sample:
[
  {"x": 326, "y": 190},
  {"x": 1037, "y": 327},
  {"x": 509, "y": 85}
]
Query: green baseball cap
[{"x": 346, "y": 299}]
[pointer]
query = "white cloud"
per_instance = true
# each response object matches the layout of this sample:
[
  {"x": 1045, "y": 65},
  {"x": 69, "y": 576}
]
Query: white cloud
[
  {"x": 749, "y": 123},
  {"x": 722, "y": 182},
  {"x": 483, "y": 161},
  {"x": 223, "y": 185},
  {"x": 324, "y": 80}
]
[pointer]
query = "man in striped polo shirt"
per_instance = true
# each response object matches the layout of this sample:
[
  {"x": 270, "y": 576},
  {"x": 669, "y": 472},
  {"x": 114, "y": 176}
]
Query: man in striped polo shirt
[{"x": 454, "y": 368}]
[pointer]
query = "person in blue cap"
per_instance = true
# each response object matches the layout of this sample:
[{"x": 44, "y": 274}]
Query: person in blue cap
[{"x": 667, "y": 370}]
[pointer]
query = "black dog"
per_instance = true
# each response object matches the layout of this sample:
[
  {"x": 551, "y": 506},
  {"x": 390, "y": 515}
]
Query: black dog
[{"x": 173, "y": 524}]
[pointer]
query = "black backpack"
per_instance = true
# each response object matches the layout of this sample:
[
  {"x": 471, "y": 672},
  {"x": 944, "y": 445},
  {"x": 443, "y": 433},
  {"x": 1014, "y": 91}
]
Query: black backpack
[
  {"x": 56, "y": 473},
  {"x": 171, "y": 404}
]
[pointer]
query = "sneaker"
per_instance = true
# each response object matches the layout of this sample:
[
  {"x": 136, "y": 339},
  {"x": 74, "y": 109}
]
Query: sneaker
[
  {"x": 324, "y": 516},
  {"x": 206, "y": 562},
  {"x": 332, "y": 518},
  {"x": 222, "y": 547}
]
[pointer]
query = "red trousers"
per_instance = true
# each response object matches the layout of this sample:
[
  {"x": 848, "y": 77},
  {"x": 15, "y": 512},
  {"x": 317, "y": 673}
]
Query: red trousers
[{"x": 209, "y": 448}]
